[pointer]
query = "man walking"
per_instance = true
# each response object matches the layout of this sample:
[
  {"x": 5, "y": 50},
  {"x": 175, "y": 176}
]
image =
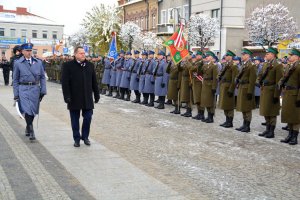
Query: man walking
[
  {"x": 29, "y": 85},
  {"x": 79, "y": 83}
]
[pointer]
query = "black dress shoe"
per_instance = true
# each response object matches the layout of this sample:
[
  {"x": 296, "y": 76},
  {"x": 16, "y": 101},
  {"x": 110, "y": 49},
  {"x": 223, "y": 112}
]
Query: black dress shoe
[
  {"x": 76, "y": 144},
  {"x": 87, "y": 142}
]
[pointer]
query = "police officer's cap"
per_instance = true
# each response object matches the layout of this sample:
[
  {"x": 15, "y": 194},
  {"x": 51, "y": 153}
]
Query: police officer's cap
[
  {"x": 151, "y": 52},
  {"x": 236, "y": 58},
  {"x": 27, "y": 46},
  {"x": 258, "y": 58},
  {"x": 145, "y": 53},
  {"x": 136, "y": 52},
  {"x": 161, "y": 53},
  {"x": 193, "y": 56},
  {"x": 122, "y": 52},
  {"x": 128, "y": 53}
]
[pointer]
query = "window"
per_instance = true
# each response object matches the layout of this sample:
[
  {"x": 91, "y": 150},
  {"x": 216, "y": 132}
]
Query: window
[
  {"x": 177, "y": 14},
  {"x": 186, "y": 12},
  {"x": 1, "y": 31},
  {"x": 45, "y": 35},
  {"x": 215, "y": 13},
  {"x": 34, "y": 33},
  {"x": 163, "y": 18},
  {"x": 23, "y": 33},
  {"x": 54, "y": 34},
  {"x": 13, "y": 32},
  {"x": 147, "y": 23},
  {"x": 153, "y": 21},
  {"x": 169, "y": 15},
  {"x": 142, "y": 22}
]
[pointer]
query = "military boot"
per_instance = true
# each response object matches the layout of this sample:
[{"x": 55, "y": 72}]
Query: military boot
[
  {"x": 117, "y": 95},
  {"x": 110, "y": 92},
  {"x": 242, "y": 127},
  {"x": 286, "y": 128},
  {"x": 27, "y": 131},
  {"x": 229, "y": 123},
  {"x": 169, "y": 102},
  {"x": 263, "y": 134},
  {"x": 288, "y": 138},
  {"x": 294, "y": 139},
  {"x": 161, "y": 105},
  {"x": 103, "y": 91},
  {"x": 145, "y": 101},
  {"x": 31, "y": 133},
  {"x": 210, "y": 118},
  {"x": 128, "y": 95},
  {"x": 225, "y": 123},
  {"x": 247, "y": 127},
  {"x": 176, "y": 110},
  {"x": 270, "y": 134},
  {"x": 121, "y": 96},
  {"x": 188, "y": 112}
]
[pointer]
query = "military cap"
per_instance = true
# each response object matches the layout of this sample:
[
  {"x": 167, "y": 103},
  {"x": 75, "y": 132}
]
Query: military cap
[
  {"x": 247, "y": 51},
  {"x": 27, "y": 46},
  {"x": 145, "y": 53},
  {"x": 295, "y": 52},
  {"x": 122, "y": 52},
  {"x": 151, "y": 52},
  {"x": 272, "y": 50},
  {"x": 200, "y": 53},
  {"x": 258, "y": 58},
  {"x": 161, "y": 53},
  {"x": 216, "y": 58},
  {"x": 209, "y": 53},
  {"x": 128, "y": 53},
  {"x": 136, "y": 52},
  {"x": 236, "y": 58},
  {"x": 230, "y": 53},
  {"x": 193, "y": 56}
]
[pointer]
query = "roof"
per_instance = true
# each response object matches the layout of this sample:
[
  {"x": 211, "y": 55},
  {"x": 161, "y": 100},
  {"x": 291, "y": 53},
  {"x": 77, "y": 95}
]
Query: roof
[
  {"x": 129, "y": 3},
  {"x": 21, "y": 15}
]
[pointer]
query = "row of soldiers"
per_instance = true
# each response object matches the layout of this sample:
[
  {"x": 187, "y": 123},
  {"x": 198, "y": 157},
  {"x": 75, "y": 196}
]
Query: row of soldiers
[{"x": 196, "y": 79}]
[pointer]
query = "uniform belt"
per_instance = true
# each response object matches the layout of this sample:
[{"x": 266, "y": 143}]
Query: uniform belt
[
  {"x": 174, "y": 79},
  {"x": 158, "y": 75},
  {"x": 243, "y": 82},
  {"x": 28, "y": 83},
  {"x": 208, "y": 79},
  {"x": 134, "y": 71},
  {"x": 268, "y": 84},
  {"x": 107, "y": 68},
  {"x": 225, "y": 81},
  {"x": 149, "y": 73},
  {"x": 290, "y": 87},
  {"x": 185, "y": 76}
]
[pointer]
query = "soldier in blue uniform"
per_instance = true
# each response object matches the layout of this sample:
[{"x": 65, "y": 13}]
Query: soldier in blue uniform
[
  {"x": 106, "y": 74},
  {"x": 113, "y": 76},
  {"x": 161, "y": 79},
  {"x": 29, "y": 86},
  {"x": 119, "y": 65},
  {"x": 134, "y": 79},
  {"x": 125, "y": 80},
  {"x": 141, "y": 76},
  {"x": 149, "y": 78}
]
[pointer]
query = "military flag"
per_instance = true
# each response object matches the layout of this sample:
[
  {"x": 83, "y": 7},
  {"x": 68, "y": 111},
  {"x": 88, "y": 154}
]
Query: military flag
[
  {"x": 113, "y": 47},
  {"x": 177, "y": 45}
]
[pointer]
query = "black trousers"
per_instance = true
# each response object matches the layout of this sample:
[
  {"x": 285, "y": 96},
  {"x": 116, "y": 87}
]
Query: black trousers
[
  {"x": 6, "y": 76},
  {"x": 87, "y": 119}
]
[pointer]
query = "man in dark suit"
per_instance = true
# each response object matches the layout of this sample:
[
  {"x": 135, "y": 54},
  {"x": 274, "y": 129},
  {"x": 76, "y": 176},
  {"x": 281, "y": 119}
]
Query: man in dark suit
[{"x": 79, "y": 83}]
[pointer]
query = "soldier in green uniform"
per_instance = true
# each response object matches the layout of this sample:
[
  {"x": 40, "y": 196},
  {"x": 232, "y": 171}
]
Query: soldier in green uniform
[
  {"x": 290, "y": 85},
  {"x": 185, "y": 85},
  {"x": 197, "y": 71},
  {"x": 226, "y": 79},
  {"x": 246, "y": 86},
  {"x": 209, "y": 86},
  {"x": 267, "y": 80},
  {"x": 173, "y": 84}
]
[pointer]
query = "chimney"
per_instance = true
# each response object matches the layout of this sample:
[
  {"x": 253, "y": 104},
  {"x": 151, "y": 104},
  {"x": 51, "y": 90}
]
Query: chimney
[
  {"x": 1, "y": 8},
  {"x": 21, "y": 10}
]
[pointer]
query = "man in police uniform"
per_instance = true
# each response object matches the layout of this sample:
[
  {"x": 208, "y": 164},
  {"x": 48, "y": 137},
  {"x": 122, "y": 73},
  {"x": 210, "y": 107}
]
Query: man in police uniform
[
  {"x": 141, "y": 76},
  {"x": 149, "y": 78},
  {"x": 267, "y": 80},
  {"x": 161, "y": 80},
  {"x": 209, "y": 86},
  {"x": 125, "y": 80},
  {"x": 226, "y": 79},
  {"x": 290, "y": 85},
  {"x": 119, "y": 65},
  {"x": 134, "y": 79},
  {"x": 246, "y": 85},
  {"x": 29, "y": 86}
]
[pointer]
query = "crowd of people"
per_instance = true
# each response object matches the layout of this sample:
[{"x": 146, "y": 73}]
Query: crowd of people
[{"x": 233, "y": 83}]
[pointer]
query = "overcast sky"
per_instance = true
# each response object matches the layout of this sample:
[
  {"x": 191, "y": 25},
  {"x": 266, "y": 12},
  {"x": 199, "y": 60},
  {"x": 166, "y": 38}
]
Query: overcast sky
[{"x": 67, "y": 12}]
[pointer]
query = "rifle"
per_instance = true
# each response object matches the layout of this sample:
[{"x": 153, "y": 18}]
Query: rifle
[
  {"x": 156, "y": 68},
  {"x": 265, "y": 74},
  {"x": 132, "y": 66},
  {"x": 140, "y": 69},
  {"x": 146, "y": 69},
  {"x": 220, "y": 76}
]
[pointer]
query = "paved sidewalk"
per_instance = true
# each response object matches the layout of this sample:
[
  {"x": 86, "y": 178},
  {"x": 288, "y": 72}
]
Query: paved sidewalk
[{"x": 51, "y": 168}]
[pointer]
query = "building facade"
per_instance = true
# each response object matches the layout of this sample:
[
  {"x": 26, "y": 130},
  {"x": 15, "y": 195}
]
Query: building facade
[
  {"x": 19, "y": 26},
  {"x": 143, "y": 12},
  {"x": 232, "y": 14}
]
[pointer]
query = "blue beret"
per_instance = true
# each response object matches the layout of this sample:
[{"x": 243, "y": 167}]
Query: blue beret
[
  {"x": 161, "y": 53},
  {"x": 136, "y": 52},
  {"x": 151, "y": 52},
  {"x": 27, "y": 46},
  {"x": 145, "y": 53},
  {"x": 128, "y": 53},
  {"x": 122, "y": 52}
]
